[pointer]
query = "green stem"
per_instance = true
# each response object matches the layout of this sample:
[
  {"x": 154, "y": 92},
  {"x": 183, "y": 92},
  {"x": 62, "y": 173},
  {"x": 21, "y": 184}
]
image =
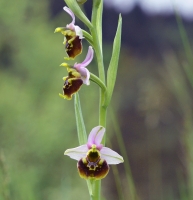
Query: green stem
[
  {"x": 184, "y": 37},
  {"x": 94, "y": 33},
  {"x": 103, "y": 111},
  {"x": 96, "y": 190},
  {"x": 102, "y": 122},
  {"x": 88, "y": 37},
  {"x": 5, "y": 178},
  {"x": 99, "y": 21},
  {"x": 97, "y": 80}
]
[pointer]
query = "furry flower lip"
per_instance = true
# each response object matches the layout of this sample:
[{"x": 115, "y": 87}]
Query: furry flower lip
[
  {"x": 77, "y": 75},
  {"x": 72, "y": 36},
  {"x": 93, "y": 158},
  {"x": 72, "y": 84}
]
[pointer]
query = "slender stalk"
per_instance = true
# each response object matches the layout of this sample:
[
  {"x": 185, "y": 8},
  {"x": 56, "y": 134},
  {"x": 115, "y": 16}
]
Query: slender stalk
[
  {"x": 118, "y": 182},
  {"x": 102, "y": 122},
  {"x": 97, "y": 190},
  {"x": 88, "y": 37},
  {"x": 99, "y": 22},
  {"x": 6, "y": 179},
  {"x": 96, "y": 32},
  {"x": 102, "y": 113},
  {"x": 97, "y": 80},
  {"x": 185, "y": 40}
]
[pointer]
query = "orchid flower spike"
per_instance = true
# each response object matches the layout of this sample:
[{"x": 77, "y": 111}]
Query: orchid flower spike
[
  {"x": 72, "y": 36},
  {"x": 93, "y": 158}
]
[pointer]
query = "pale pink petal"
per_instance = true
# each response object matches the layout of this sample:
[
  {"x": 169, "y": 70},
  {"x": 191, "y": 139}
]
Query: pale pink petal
[
  {"x": 86, "y": 77},
  {"x": 85, "y": 74},
  {"x": 78, "y": 32},
  {"x": 88, "y": 58},
  {"x": 95, "y": 137},
  {"x": 81, "y": 70},
  {"x": 112, "y": 157},
  {"x": 77, "y": 153},
  {"x": 71, "y": 25}
]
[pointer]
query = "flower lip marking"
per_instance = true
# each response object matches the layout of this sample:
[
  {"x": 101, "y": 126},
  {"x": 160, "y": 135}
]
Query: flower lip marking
[
  {"x": 94, "y": 159},
  {"x": 95, "y": 171},
  {"x": 72, "y": 84}
]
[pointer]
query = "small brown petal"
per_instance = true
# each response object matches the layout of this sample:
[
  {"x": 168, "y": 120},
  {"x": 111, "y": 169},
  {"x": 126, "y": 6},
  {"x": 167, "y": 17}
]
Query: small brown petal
[
  {"x": 71, "y": 86},
  {"x": 73, "y": 46},
  {"x": 92, "y": 170}
]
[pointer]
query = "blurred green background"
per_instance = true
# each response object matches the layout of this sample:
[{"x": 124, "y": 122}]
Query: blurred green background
[{"x": 152, "y": 101}]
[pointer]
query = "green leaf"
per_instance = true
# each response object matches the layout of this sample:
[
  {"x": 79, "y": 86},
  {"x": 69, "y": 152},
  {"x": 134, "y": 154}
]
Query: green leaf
[
  {"x": 82, "y": 136},
  {"x": 99, "y": 22},
  {"x": 96, "y": 33},
  {"x": 112, "y": 70}
]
